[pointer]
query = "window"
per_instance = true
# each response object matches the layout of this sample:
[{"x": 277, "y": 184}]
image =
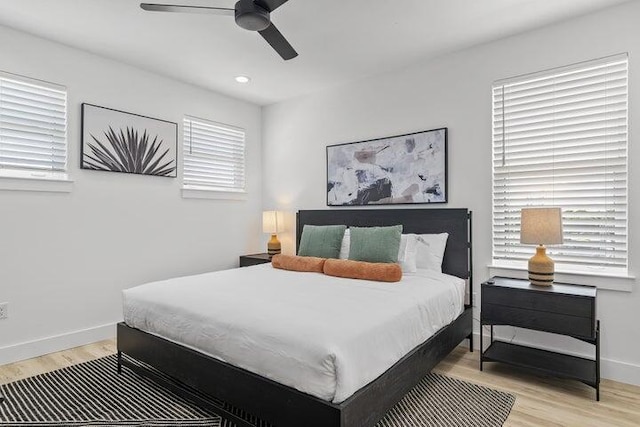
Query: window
[
  {"x": 560, "y": 139},
  {"x": 33, "y": 128},
  {"x": 213, "y": 156}
]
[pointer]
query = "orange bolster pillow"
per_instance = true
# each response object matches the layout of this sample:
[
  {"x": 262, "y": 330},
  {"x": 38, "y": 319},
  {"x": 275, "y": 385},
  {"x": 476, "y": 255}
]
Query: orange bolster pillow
[
  {"x": 298, "y": 263},
  {"x": 378, "y": 271}
]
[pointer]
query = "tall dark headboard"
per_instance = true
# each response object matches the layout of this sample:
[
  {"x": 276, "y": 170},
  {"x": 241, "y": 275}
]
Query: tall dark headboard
[{"x": 456, "y": 222}]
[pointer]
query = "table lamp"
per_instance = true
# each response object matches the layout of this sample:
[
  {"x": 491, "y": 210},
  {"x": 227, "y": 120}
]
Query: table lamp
[
  {"x": 272, "y": 223},
  {"x": 541, "y": 226}
]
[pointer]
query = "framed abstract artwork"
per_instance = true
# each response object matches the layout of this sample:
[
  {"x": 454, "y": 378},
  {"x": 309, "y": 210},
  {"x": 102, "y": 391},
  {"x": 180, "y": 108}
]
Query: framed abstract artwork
[
  {"x": 404, "y": 169},
  {"x": 117, "y": 141}
]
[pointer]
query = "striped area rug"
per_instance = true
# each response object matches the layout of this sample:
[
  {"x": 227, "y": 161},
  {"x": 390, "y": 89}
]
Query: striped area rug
[{"x": 93, "y": 394}]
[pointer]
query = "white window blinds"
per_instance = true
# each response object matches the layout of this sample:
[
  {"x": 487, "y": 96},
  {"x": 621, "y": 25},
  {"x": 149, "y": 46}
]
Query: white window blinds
[
  {"x": 33, "y": 125},
  {"x": 560, "y": 139},
  {"x": 213, "y": 156}
]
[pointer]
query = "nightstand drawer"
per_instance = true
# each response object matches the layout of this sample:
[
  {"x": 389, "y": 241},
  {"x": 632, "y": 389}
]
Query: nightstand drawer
[
  {"x": 575, "y": 326},
  {"x": 553, "y": 303}
]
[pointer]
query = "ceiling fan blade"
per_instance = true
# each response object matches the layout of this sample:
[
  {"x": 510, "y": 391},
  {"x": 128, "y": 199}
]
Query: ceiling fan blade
[
  {"x": 152, "y": 7},
  {"x": 278, "y": 42},
  {"x": 270, "y": 5}
]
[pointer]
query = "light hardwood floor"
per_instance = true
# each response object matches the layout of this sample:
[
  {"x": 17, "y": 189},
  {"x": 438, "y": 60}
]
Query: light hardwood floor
[{"x": 539, "y": 401}]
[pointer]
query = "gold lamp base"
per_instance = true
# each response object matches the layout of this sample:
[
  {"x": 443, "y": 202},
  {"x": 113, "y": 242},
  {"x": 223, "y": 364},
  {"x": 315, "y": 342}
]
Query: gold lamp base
[
  {"x": 541, "y": 268},
  {"x": 273, "y": 246}
]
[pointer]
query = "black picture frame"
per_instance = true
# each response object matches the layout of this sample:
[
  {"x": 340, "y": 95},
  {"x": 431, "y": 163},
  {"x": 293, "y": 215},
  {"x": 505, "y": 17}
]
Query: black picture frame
[
  {"x": 107, "y": 161},
  {"x": 442, "y": 182}
]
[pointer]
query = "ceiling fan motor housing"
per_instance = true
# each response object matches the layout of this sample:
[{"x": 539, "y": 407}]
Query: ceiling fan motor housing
[{"x": 252, "y": 17}]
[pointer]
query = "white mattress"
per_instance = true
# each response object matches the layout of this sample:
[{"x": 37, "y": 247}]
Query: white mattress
[{"x": 322, "y": 335}]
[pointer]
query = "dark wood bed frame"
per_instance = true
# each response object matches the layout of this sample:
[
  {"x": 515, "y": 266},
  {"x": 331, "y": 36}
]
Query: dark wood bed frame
[{"x": 204, "y": 380}]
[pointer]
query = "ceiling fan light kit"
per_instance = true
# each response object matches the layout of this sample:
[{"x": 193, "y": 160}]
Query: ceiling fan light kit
[{"x": 252, "y": 15}]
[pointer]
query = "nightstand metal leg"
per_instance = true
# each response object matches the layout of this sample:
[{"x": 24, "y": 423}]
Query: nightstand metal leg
[
  {"x": 481, "y": 346},
  {"x": 119, "y": 362},
  {"x": 598, "y": 360}
]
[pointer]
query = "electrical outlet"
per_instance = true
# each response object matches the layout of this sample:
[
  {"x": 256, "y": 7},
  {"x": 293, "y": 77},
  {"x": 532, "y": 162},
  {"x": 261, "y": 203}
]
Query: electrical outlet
[{"x": 4, "y": 310}]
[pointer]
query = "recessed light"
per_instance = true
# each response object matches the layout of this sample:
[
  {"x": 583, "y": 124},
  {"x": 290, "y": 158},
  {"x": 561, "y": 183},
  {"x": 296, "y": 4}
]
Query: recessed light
[{"x": 243, "y": 79}]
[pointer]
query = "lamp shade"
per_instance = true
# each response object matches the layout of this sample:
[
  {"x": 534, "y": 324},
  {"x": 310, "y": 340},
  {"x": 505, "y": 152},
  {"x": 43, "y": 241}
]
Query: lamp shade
[
  {"x": 272, "y": 222},
  {"x": 541, "y": 226}
]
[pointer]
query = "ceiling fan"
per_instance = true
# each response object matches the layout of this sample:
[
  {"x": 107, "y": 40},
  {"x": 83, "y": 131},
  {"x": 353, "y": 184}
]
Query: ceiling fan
[{"x": 252, "y": 15}]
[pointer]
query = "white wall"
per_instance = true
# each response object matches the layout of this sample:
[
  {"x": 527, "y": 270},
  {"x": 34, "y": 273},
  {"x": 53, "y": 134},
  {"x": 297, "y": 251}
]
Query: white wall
[
  {"x": 455, "y": 91},
  {"x": 64, "y": 258}
]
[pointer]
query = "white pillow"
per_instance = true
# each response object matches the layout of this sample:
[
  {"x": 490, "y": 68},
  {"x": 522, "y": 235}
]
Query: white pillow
[
  {"x": 430, "y": 250},
  {"x": 346, "y": 244},
  {"x": 406, "y": 253}
]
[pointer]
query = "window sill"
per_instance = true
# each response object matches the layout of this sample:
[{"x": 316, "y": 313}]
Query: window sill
[
  {"x": 604, "y": 280},
  {"x": 198, "y": 193},
  {"x": 33, "y": 181}
]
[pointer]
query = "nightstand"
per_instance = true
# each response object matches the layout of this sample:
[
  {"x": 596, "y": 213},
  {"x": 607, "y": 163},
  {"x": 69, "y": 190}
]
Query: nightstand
[
  {"x": 254, "y": 259},
  {"x": 562, "y": 308}
]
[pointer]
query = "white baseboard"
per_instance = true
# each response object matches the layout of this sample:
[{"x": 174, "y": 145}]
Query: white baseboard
[
  {"x": 30, "y": 349},
  {"x": 610, "y": 369}
]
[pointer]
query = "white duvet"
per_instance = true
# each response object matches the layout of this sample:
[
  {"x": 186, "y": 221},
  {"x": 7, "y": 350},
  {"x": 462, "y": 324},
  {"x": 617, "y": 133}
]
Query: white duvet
[{"x": 322, "y": 335}]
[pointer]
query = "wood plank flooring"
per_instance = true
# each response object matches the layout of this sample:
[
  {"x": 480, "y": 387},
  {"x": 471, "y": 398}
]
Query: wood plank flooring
[{"x": 539, "y": 401}]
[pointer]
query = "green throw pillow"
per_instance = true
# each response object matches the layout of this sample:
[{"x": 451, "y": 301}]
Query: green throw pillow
[
  {"x": 375, "y": 244},
  {"x": 321, "y": 241}
]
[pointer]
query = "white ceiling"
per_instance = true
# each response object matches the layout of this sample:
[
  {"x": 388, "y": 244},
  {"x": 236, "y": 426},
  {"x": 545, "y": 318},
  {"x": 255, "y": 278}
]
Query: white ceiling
[{"x": 338, "y": 40}]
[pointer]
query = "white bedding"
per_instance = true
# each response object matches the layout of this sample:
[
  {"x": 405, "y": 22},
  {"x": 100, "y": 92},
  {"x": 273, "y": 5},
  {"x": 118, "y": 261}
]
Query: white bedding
[{"x": 322, "y": 335}]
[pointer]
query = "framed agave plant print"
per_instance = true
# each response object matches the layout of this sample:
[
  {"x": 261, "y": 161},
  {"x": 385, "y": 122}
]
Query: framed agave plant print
[
  {"x": 404, "y": 169},
  {"x": 117, "y": 141}
]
